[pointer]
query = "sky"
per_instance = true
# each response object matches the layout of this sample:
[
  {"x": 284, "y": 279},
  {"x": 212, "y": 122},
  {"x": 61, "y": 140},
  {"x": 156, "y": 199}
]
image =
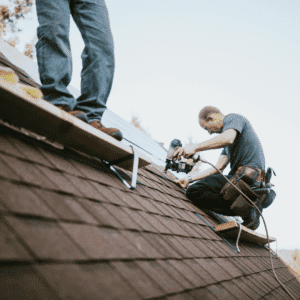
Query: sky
[{"x": 175, "y": 57}]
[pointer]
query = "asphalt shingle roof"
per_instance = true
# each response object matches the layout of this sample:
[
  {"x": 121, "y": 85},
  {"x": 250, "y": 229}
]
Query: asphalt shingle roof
[{"x": 70, "y": 229}]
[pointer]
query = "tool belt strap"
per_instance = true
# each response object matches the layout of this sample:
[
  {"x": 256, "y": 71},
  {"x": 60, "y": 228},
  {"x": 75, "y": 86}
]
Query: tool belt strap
[{"x": 230, "y": 193}]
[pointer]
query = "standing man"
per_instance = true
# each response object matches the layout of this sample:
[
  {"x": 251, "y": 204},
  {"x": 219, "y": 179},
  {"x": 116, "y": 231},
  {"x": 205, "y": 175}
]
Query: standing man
[
  {"x": 55, "y": 60},
  {"x": 242, "y": 149}
]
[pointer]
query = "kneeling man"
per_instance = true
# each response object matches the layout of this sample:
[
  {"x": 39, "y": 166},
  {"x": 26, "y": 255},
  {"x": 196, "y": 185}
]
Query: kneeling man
[{"x": 242, "y": 148}]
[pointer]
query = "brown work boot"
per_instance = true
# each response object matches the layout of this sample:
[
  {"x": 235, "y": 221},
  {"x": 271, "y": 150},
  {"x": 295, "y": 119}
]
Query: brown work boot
[
  {"x": 75, "y": 113},
  {"x": 113, "y": 132}
]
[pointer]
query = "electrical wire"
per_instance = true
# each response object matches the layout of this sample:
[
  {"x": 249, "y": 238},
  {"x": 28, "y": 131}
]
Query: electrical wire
[{"x": 253, "y": 204}]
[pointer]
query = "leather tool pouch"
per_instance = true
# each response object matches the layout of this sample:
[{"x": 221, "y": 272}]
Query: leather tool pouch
[
  {"x": 230, "y": 193},
  {"x": 239, "y": 204},
  {"x": 251, "y": 175}
]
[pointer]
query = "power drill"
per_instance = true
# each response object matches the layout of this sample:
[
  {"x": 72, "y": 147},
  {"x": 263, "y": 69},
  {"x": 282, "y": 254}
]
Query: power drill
[{"x": 179, "y": 166}]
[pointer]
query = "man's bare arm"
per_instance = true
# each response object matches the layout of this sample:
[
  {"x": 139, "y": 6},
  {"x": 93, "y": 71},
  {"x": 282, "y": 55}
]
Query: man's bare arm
[
  {"x": 222, "y": 162},
  {"x": 222, "y": 140}
]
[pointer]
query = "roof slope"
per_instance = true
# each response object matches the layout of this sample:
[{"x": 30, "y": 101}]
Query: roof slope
[{"x": 71, "y": 230}]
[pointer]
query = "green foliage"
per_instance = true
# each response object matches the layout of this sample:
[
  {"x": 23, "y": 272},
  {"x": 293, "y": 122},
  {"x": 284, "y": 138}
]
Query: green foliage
[{"x": 10, "y": 15}]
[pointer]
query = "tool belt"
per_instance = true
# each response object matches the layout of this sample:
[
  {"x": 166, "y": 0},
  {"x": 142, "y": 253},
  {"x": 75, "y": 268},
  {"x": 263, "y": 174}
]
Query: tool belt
[{"x": 242, "y": 179}]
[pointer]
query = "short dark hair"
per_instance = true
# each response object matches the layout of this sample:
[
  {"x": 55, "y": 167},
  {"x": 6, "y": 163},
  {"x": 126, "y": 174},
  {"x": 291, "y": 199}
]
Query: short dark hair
[{"x": 206, "y": 111}]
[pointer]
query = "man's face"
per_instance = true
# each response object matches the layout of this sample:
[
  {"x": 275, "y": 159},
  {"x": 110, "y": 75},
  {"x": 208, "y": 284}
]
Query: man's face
[{"x": 213, "y": 125}]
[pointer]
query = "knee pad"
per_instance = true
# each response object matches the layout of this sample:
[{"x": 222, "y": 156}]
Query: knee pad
[{"x": 269, "y": 199}]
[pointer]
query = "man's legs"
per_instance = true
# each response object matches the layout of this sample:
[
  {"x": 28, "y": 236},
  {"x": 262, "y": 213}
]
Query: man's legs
[
  {"x": 91, "y": 17},
  {"x": 205, "y": 194},
  {"x": 53, "y": 51}
]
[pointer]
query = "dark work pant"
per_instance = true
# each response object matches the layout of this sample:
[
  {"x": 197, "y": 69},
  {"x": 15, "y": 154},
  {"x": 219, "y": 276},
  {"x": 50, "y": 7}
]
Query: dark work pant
[{"x": 205, "y": 194}]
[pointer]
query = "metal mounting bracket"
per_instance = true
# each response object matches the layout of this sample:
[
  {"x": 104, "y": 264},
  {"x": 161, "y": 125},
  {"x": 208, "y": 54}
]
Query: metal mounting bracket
[
  {"x": 134, "y": 169},
  {"x": 237, "y": 241}
]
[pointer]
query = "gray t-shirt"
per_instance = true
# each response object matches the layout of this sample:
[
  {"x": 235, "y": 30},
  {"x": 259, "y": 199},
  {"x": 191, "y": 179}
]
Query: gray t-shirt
[{"x": 246, "y": 148}]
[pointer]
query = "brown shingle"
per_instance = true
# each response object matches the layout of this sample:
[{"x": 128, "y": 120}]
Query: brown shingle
[
  {"x": 159, "y": 275},
  {"x": 107, "y": 194},
  {"x": 87, "y": 281},
  {"x": 225, "y": 248},
  {"x": 252, "y": 283},
  {"x": 140, "y": 243},
  {"x": 270, "y": 297},
  {"x": 179, "y": 246},
  {"x": 90, "y": 172},
  {"x": 7, "y": 145},
  {"x": 60, "y": 162},
  {"x": 60, "y": 180},
  {"x": 128, "y": 199},
  {"x": 29, "y": 173},
  {"x": 172, "y": 225},
  {"x": 250, "y": 265},
  {"x": 138, "y": 218},
  {"x": 166, "y": 210},
  {"x": 23, "y": 282},
  {"x": 31, "y": 152},
  {"x": 240, "y": 265},
  {"x": 175, "y": 273},
  {"x": 207, "y": 252},
  {"x": 279, "y": 294},
  {"x": 189, "y": 228},
  {"x": 6, "y": 171},
  {"x": 11, "y": 248},
  {"x": 45, "y": 239},
  {"x": 198, "y": 269},
  {"x": 153, "y": 220},
  {"x": 188, "y": 272},
  {"x": 203, "y": 293},
  {"x": 23, "y": 200},
  {"x": 101, "y": 243},
  {"x": 2, "y": 208},
  {"x": 183, "y": 296},
  {"x": 251, "y": 292},
  {"x": 122, "y": 216},
  {"x": 235, "y": 290},
  {"x": 272, "y": 282},
  {"x": 214, "y": 269},
  {"x": 147, "y": 204},
  {"x": 152, "y": 193},
  {"x": 84, "y": 187},
  {"x": 262, "y": 283},
  {"x": 162, "y": 245},
  {"x": 138, "y": 279},
  {"x": 191, "y": 245},
  {"x": 220, "y": 292},
  {"x": 198, "y": 229},
  {"x": 100, "y": 213},
  {"x": 225, "y": 264},
  {"x": 65, "y": 207},
  {"x": 140, "y": 189},
  {"x": 214, "y": 247}
]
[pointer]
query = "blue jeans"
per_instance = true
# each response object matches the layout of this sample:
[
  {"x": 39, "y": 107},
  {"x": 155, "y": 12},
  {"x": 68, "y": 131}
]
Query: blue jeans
[{"x": 54, "y": 53}]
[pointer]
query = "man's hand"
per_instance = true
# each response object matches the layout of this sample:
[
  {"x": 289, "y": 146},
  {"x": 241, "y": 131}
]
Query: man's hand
[
  {"x": 186, "y": 152},
  {"x": 183, "y": 182}
]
